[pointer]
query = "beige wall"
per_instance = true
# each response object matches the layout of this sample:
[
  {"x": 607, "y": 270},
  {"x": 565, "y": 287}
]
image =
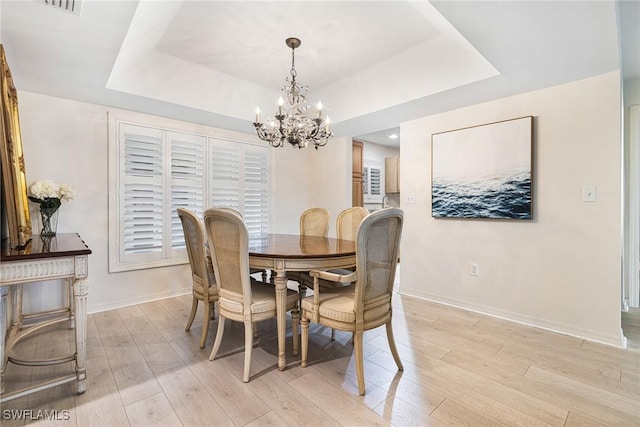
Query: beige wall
[{"x": 561, "y": 270}]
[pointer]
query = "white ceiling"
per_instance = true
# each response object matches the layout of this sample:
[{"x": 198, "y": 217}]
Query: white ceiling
[{"x": 373, "y": 64}]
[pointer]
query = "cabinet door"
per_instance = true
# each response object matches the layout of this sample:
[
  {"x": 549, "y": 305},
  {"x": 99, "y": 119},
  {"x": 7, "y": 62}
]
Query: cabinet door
[{"x": 392, "y": 174}]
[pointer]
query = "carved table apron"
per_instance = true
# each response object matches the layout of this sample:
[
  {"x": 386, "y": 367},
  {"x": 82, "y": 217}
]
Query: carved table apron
[{"x": 64, "y": 256}]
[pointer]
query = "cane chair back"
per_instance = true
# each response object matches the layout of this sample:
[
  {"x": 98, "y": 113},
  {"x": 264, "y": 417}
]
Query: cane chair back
[
  {"x": 348, "y": 222},
  {"x": 204, "y": 286},
  {"x": 367, "y": 304},
  {"x": 314, "y": 222},
  {"x": 241, "y": 298}
]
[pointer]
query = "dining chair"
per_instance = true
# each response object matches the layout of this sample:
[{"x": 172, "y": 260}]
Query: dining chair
[
  {"x": 347, "y": 224},
  {"x": 313, "y": 222},
  {"x": 204, "y": 286},
  {"x": 367, "y": 304},
  {"x": 241, "y": 297}
]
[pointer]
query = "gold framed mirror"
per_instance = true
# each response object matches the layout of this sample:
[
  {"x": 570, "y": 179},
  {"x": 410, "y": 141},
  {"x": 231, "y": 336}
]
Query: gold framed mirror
[{"x": 14, "y": 179}]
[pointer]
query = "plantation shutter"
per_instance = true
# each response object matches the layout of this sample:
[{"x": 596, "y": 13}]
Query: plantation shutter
[
  {"x": 155, "y": 171},
  {"x": 187, "y": 181},
  {"x": 224, "y": 184},
  {"x": 376, "y": 181},
  {"x": 373, "y": 182},
  {"x": 239, "y": 179},
  {"x": 365, "y": 181},
  {"x": 141, "y": 197},
  {"x": 256, "y": 190}
]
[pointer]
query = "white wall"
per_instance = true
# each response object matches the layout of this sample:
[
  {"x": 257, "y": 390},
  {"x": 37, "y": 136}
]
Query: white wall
[
  {"x": 66, "y": 141},
  {"x": 561, "y": 270},
  {"x": 310, "y": 178}
]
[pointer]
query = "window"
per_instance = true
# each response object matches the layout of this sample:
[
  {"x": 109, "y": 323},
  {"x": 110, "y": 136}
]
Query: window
[
  {"x": 373, "y": 181},
  {"x": 156, "y": 171}
]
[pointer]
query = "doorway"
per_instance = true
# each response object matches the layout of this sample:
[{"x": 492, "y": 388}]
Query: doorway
[{"x": 631, "y": 273}]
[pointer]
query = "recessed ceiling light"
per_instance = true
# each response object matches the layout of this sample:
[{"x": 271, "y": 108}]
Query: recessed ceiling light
[{"x": 393, "y": 136}]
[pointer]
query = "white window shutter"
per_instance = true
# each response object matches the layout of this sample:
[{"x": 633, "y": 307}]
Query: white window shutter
[
  {"x": 240, "y": 180},
  {"x": 224, "y": 172},
  {"x": 373, "y": 181},
  {"x": 141, "y": 197},
  {"x": 187, "y": 181},
  {"x": 256, "y": 190},
  {"x": 376, "y": 182},
  {"x": 156, "y": 171}
]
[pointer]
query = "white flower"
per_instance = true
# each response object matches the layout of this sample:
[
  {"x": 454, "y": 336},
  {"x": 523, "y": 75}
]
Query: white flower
[
  {"x": 46, "y": 189},
  {"x": 43, "y": 189},
  {"x": 66, "y": 192}
]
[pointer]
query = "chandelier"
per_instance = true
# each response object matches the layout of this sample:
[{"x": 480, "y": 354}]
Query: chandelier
[{"x": 293, "y": 123}]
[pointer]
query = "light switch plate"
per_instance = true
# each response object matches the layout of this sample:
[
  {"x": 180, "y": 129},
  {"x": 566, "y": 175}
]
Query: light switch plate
[{"x": 411, "y": 197}]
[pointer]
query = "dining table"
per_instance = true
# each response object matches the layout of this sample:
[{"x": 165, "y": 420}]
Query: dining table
[{"x": 281, "y": 253}]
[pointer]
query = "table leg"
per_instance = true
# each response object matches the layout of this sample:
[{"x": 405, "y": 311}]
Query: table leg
[
  {"x": 80, "y": 293},
  {"x": 72, "y": 319},
  {"x": 3, "y": 331},
  {"x": 16, "y": 312},
  {"x": 281, "y": 313}
]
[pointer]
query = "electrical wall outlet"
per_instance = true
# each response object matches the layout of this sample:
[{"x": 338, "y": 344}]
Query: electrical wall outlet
[
  {"x": 411, "y": 197},
  {"x": 475, "y": 269},
  {"x": 589, "y": 193}
]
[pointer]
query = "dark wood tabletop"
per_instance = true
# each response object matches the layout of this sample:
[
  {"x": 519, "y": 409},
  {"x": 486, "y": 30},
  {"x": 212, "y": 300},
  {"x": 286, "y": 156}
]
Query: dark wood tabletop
[
  {"x": 295, "y": 246},
  {"x": 60, "y": 245}
]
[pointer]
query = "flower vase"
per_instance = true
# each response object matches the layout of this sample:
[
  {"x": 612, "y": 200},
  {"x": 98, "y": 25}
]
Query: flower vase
[{"x": 49, "y": 218}]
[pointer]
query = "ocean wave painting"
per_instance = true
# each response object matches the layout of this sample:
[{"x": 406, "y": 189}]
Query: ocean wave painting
[
  {"x": 498, "y": 196},
  {"x": 483, "y": 171}
]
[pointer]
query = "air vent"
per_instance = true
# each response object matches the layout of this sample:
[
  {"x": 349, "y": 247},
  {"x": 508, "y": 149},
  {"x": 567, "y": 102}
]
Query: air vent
[{"x": 71, "y": 6}]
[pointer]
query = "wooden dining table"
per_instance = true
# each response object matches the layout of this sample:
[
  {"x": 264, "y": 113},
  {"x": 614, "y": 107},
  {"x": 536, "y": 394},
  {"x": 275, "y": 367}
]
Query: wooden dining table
[{"x": 292, "y": 252}]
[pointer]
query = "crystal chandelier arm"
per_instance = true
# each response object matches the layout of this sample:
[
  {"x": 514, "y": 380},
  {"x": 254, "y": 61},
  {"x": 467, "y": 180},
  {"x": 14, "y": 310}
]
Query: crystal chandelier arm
[{"x": 295, "y": 125}]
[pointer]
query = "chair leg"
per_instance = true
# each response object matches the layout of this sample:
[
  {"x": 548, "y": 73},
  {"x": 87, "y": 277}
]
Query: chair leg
[
  {"x": 255, "y": 329},
  {"x": 333, "y": 334},
  {"x": 194, "y": 308},
  {"x": 218, "y": 340},
  {"x": 392, "y": 346},
  {"x": 359, "y": 361},
  {"x": 295, "y": 320},
  {"x": 302, "y": 292},
  {"x": 248, "y": 347},
  {"x": 205, "y": 323},
  {"x": 304, "y": 323}
]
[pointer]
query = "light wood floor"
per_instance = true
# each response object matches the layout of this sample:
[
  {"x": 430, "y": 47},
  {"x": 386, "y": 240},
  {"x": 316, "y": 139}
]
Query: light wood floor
[{"x": 461, "y": 368}]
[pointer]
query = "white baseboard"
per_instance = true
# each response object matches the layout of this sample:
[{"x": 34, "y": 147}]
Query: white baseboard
[
  {"x": 133, "y": 301},
  {"x": 615, "y": 341}
]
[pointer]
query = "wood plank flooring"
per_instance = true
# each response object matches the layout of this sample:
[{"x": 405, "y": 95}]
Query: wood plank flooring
[{"x": 461, "y": 368}]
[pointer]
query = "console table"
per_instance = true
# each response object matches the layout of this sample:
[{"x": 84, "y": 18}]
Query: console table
[{"x": 64, "y": 256}]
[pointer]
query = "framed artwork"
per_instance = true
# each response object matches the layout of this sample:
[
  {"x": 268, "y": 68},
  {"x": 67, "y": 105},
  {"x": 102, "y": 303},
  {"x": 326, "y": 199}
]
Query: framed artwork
[
  {"x": 14, "y": 181},
  {"x": 483, "y": 171}
]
